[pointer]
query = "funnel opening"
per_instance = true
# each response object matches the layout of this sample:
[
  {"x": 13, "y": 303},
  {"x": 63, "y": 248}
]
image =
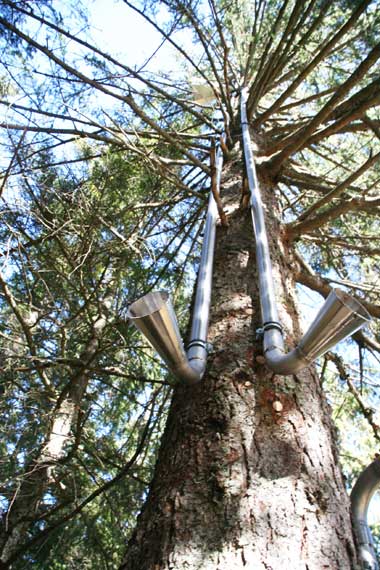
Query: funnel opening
[
  {"x": 147, "y": 305},
  {"x": 353, "y": 304}
]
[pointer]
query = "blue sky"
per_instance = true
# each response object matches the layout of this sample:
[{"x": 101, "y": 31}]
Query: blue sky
[{"x": 118, "y": 29}]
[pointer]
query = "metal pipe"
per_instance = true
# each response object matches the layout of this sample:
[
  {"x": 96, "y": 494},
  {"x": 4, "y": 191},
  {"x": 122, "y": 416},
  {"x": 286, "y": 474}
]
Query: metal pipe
[
  {"x": 264, "y": 265},
  {"x": 154, "y": 316},
  {"x": 197, "y": 347},
  {"x": 361, "y": 496},
  {"x": 340, "y": 316}
]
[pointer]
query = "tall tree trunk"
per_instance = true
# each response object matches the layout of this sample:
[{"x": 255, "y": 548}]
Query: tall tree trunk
[{"x": 247, "y": 475}]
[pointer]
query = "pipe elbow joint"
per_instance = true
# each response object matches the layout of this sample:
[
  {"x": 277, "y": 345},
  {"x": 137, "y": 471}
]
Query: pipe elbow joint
[
  {"x": 191, "y": 371},
  {"x": 282, "y": 363},
  {"x": 361, "y": 495}
]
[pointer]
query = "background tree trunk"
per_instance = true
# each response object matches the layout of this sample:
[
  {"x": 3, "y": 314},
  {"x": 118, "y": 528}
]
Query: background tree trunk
[
  {"x": 247, "y": 474},
  {"x": 41, "y": 470}
]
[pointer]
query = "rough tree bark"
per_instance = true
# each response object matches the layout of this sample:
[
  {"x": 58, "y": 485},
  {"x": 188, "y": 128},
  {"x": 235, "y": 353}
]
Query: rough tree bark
[{"x": 247, "y": 475}]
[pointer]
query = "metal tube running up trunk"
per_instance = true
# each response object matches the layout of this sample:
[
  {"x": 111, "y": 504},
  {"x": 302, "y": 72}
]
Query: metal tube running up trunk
[
  {"x": 361, "y": 496},
  {"x": 154, "y": 316},
  {"x": 340, "y": 316}
]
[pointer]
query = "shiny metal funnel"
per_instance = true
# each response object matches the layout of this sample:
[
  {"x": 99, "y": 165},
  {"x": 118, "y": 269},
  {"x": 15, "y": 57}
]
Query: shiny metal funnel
[
  {"x": 154, "y": 316},
  {"x": 340, "y": 316}
]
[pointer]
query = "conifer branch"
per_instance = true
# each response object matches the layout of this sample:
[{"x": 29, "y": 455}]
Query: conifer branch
[
  {"x": 366, "y": 411},
  {"x": 327, "y": 48},
  {"x": 297, "y": 141}
]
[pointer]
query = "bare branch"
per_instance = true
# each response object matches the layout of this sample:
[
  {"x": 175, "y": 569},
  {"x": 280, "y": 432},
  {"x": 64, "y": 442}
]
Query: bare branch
[
  {"x": 326, "y": 199},
  {"x": 306, "y": 276},
  {"x": 296, "y": 141},
  {"x": 367, "y": 411},
  {"x": 214, "y": 186},
  {"x": 317, "y": 59},
  {"x": 136, "y": 74},
  {"x": 100, "y": 87}
]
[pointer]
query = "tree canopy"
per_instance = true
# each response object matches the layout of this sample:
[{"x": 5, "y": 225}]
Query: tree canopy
[{"x": 104, "y": 182}]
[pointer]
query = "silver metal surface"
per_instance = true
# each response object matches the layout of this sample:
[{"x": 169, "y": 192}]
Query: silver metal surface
[
  {"x": 340, "y": 316},
  {"x": 201, "y": 309},
  {"x": 264, "y": 265},
  {"x": 361, "y": 495},
  {"x": 154, "y": 315}
]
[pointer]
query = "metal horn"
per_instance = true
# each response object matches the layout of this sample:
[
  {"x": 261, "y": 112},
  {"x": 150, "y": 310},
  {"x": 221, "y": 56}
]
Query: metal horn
[{"x": 154, "y": 316}]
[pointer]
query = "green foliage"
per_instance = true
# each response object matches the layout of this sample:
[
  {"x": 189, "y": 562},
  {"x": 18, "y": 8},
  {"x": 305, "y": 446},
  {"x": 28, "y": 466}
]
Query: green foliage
[{"x": 73, "y": 242}]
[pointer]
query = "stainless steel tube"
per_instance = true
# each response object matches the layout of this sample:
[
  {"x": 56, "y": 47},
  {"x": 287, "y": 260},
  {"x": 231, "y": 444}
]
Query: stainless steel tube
[
  {"x": 197, "y": 347},
  {"x": 361, "y": 495},
  {"x": 340, "y": 316},
  {"x": 264, "y": 265}
]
